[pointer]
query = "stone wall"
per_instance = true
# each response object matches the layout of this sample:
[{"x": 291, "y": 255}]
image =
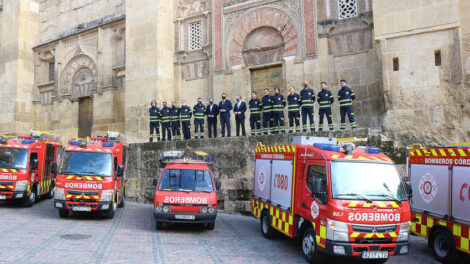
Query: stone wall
[{"x": 233, "y": 164}]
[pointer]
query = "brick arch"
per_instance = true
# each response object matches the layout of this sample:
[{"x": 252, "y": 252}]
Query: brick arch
[{"x": 264, "y": 17}]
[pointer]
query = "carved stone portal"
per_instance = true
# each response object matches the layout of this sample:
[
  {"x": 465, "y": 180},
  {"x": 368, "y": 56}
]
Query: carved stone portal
[
  {"x": 264, "y": 45},
  {"x": 83, "y": 83},
  {"x": 79, "y": 77}
]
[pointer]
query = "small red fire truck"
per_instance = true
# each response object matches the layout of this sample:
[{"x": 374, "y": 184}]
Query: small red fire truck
[
  {"x": 440, "y": 207},
  {"x": 185, "y": 191},
  {"x": 337, "y": 200},
  {"x": 25, "y": 166},
  {"x": 91, "y": 175}
]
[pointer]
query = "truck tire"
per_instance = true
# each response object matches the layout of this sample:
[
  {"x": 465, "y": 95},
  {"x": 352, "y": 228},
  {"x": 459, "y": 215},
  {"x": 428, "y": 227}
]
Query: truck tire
[
  {"x": 309, "y": 245},
  {"x": 109, "y": 214},
  {"x": 29, "y": 200},
  {"x": 265, "y": 223},
  {"x": 63, "y": 213},
  {"x": 158, "y": 225},
  {"x": 121, "y": 204},
  {"x": 210, "y": 226},
  {"x": 50, "y": 194},
  {"x": 443, "y": 246}
]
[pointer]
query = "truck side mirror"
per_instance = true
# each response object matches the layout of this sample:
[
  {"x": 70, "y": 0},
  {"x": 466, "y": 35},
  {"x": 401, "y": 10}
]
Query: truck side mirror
[
  {"x": 120, "y": 170},
  {"x": 54, "y": 168},
  {"x": 409, "y": 191},
  {"x": 218, "y": 184},
  {"x": 155, "y": 182},
  {"x": 33, "y": 165}
]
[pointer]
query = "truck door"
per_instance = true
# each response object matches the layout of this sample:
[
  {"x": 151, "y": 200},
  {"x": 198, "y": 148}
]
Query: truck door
[
  {"x": 47, "y": 177},
  {"x": 313, "y": 208},
  {"x": 34, "y": 168}
]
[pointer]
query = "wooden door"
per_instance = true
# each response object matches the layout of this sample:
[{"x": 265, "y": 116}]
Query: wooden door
[
  {"x": 266, "y": 78},
  {"x": 85, "y": 117}
]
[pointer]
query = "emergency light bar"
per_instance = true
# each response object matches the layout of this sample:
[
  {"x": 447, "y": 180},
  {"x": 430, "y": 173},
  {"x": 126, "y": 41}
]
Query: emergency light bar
[
  {"x": 328, "y": 147},
  {"x": 114, "y": 136},
  {"x": 40, "y": 135},
  {"x": 172, "y": 154}
]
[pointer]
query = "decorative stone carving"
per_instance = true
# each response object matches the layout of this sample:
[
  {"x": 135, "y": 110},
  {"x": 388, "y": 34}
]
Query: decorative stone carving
[
  {"x": 119, "y": 33},
  {"x": 47, "y": 55},
  {"x": 79, "y": 77},
  {"x": 185, "y": 8},
  {"x": 264, "y": 45}
]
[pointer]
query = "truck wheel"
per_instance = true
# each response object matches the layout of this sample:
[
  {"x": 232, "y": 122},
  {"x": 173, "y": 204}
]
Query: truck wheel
[
  {"x": 443, "y": 246},
  {"x": 266, "y": 229},
  {"x": 109, "y": 214},
  {"x": 121, "y": 204},
  {"x": 210, "y": 226},
  {"x": 28, "y": 201},
  {"x": 50, "y": 194},
  {"x": 63, "y": 213},
  {"x": 159, "y": 225},
  {"x": 309, "y": 245}
]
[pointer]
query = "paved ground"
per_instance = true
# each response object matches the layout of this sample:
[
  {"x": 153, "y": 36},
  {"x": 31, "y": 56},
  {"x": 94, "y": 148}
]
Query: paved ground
[{"x": 38, "y": 235}]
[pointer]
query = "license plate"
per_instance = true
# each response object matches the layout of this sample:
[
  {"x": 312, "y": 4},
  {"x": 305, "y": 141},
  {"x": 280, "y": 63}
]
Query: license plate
[
  {"x": 374, "y": 254},
  {"x": 185, "y": 217},
  {"x": 81, "y": 209},
  {"x": 3, "y": 197}
]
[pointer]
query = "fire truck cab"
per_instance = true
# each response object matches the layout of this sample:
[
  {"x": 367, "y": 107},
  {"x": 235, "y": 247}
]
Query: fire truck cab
[
  {"x": 440, "y": 206},
  {"x": 186, "y": 191},
  {"x": 92, "y": 175},
  {"x": 338, "y": 200},
  {"x": 26, "y": 166}
]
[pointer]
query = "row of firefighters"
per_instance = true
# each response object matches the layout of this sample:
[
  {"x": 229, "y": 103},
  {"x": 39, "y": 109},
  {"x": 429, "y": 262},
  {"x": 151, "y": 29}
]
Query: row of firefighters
[{"x": 270, "y": 108}]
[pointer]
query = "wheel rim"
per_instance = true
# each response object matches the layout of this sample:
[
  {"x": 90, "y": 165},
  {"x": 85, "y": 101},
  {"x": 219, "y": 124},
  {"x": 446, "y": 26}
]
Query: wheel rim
[
  {"x": 308, "y": 245},
  {"x": 32, "y": 197},
  {"x": 114, "y": 207},
  {"x": 52, "y": 192},
  {"x": 265, "y": 224},
  {"x": 441, "y": 246}
]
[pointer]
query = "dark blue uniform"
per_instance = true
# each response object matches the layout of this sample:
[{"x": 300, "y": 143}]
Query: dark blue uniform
[
  {"x": 307, "y": 95},
  {"x": 185, "y": 117},
  {"x": 199, "y": 111},
  {"x": 225, "y": 116},
  {"x": 255, "y": 116},
  {"x": 346, "y": 96},
  {"x": 175, "y": 122},
  {"x": 293, "y": 104},
  {"x": 325, "y": 99},
  {"x": 165, "y": 120},
  {"x": 267, "y": 107},
  {"x": 240, "y": 118},
  {"x": 154, "y": 113},
  {"x": 212, "y": 111},
  {"x": 279, "y": 103}
]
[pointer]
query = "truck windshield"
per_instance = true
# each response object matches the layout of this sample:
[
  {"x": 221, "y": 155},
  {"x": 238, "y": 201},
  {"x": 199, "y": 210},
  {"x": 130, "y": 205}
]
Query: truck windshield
[
  {"x": 366, "y": 181},
  {"x": 86, "y": 163},
  {"x": 13, "y": 158},
  {"x": 186, "y": 181}
]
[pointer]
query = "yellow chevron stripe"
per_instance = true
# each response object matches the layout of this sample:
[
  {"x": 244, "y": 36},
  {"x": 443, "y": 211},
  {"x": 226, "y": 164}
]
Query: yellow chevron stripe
[
  {"x": 69, "y": 177},
  {"x": 354, "y": 234},
  {"x": 393, "y": 234},
  {"x": 443, "y": 153},
  {"x": 380, "y": 204},
  {"x": 88, "y": 178},
  {"x": 461, "y": 152}
]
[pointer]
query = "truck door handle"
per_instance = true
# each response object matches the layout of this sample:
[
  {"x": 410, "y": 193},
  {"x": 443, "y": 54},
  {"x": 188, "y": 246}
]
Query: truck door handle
[{"x": 304, "y": 206}]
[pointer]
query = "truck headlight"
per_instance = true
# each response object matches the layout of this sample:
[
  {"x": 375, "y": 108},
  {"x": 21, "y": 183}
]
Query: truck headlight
[
  {"x": 404, "y": 231},
  {"x": 21, "y": 186},
  {"x": 337, "y": 231},
  {"x": 107, "y": 195},
  {"x": 59, "y": 193}
]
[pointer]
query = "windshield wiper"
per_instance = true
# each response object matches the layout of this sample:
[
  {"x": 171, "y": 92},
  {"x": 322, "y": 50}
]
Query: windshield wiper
[
  {"x": 387, "y": 196},
  {"x": 391, "y": 194},
  {"x": 356, "y": 195},
  {"x": 69, "y": 172},
  {"x": 185, "y": 190},
  {"x": 90, "y": 173}
]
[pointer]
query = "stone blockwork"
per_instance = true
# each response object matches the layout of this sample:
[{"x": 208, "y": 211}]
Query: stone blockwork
[{"x": 233, "y": 164}]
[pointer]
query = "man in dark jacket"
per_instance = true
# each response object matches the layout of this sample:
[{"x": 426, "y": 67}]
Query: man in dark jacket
[
  {"x": 225, "y": 106},
  {"x": 307, "y": 95},
  {"x": 279, "y": 103},
  {"x": 325, "y": 99},
  {"x": 239, "y": 109},
  {"x": 212, "y": 111}
]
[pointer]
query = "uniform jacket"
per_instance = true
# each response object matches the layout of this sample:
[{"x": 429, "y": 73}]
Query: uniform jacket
[
  {"x": 185, "y": 113},
  {"x": 165, "y": 114},
  {"x": 279, "y": 102},
  {"x": 199, "y": 111},
  {"x": 255, "y": 106},
  {"x": 154, "y": 113},
  {"x": 325, "y": 98},
  {"x": 174, "y": 114},
  {"x": 267, "y": 104},
  {"x": 346, "y": 96},
  {"x": 294, "y": 102},
  {"x": 308, "y": 98}
]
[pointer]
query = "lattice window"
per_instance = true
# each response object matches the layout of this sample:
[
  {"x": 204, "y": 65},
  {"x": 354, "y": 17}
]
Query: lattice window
[
  {"x": 195, "y": 36},
  {"x": 347, "y": 8}
]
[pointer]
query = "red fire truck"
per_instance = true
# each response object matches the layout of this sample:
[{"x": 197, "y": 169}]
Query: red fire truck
[
  {"x": 91, "y": 175},
  {"x": 337, "y": 200},
  {"x": 440, "y": 207},
  {"x": 186, "y": 191},
  {"x": 25, "y": 166}
]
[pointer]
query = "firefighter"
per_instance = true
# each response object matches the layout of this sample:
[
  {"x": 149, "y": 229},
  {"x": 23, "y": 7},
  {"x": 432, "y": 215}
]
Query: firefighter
[
  {"x": 308, "y": 98},
  {"x": 255, "y": 116},
  {"x": 293, "y": 104},
  {"x": 225, "y": 106},
  {"x": 279, "y": 103},
  {"x": 165, "y": 120},
  {"x": 175, "y": 121},
  {"x": 154, "y": 113},
  {"x": 212, "y": 111},
  {"x": 185, "y": 117},
  {"x": 267, "y": 106},
  {"x": 199, "y": 113},
  {"x": 325, "y": 99},
  {"x": 346, "y": 96}
]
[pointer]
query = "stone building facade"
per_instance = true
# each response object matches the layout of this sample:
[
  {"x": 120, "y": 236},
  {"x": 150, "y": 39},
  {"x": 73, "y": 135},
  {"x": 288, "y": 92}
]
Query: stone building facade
[{"x": 83, "y": 67}]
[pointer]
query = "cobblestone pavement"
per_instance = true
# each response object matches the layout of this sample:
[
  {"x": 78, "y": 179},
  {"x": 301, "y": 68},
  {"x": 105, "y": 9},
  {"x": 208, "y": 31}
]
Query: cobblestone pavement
[{"x": 38, "y": 235}]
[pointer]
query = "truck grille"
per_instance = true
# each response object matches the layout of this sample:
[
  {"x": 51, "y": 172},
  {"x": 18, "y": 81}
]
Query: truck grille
[
  {"x": 373, "y": 240},
  {"x": 87, "y": 193},
  {"x": 6, "y": 183},
  {"x": 374, "y": 229}
]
